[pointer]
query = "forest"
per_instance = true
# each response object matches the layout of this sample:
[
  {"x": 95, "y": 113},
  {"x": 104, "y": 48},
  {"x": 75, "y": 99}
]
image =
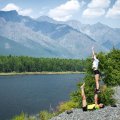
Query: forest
[{"x": 30, "y": 64}]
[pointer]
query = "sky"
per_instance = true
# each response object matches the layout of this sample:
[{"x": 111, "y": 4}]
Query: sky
[{"x": 85, "y": 11}]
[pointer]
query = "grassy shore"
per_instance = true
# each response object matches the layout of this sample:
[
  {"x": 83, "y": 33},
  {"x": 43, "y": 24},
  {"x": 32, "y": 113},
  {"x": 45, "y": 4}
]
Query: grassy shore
[{"x": 38, "y": 73}]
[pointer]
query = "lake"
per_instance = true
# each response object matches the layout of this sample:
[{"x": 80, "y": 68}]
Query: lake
[{"x": 33, "y": 93}]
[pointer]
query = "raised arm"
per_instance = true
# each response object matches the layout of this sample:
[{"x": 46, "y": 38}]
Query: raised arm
[{"x": 93, "y": 53}]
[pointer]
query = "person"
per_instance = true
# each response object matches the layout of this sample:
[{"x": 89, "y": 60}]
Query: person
[
  {"x": 94, "y": 106},
  {"x": 96, "y": 71}
]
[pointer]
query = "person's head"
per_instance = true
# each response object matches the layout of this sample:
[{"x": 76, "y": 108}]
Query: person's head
[{"x": 101, "y": 105}]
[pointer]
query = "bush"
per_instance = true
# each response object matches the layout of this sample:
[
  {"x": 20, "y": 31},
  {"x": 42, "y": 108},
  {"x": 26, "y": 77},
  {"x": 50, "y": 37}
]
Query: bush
[
  {"x": 110, "y": 67},
  {"x": 24, "y": 116},
  {"x": 19, "y": 117},
  {"x": 107, "y": 95},
  {"x": 45, "y": 115},
  {"x": 66, "y": 106}
]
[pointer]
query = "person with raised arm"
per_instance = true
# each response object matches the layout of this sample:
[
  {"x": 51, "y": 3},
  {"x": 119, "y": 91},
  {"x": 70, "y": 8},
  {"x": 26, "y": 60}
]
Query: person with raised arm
[{"x": 96, "y": 71}]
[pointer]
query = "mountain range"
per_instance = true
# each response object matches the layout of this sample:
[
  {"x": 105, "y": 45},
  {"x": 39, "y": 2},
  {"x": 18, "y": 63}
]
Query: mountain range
[{"x": 45, "y": 37}]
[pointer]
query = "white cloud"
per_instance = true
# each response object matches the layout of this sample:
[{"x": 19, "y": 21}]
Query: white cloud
[
  {"x": 65, "y": 11},
  {"x": 96, "y": 8},
  {"x": 114, "y": 12},
  {"x": 12, "y": 6},
  {"x": 92, "y": 13},
  {"x": 99, "y": 4}
]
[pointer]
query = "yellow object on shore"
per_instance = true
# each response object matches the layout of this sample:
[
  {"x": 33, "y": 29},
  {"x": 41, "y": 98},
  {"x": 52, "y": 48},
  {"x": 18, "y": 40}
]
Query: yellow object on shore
[{"x": 92, "y": 106}]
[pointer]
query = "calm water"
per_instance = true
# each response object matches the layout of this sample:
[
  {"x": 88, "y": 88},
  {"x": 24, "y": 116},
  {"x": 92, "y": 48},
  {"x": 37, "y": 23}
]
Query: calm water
[{"x": 33, "y": 93}]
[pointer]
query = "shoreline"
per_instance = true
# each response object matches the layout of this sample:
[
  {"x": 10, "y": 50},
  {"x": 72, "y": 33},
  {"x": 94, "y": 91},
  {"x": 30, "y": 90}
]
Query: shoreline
[{"x": 39, "y": 73}]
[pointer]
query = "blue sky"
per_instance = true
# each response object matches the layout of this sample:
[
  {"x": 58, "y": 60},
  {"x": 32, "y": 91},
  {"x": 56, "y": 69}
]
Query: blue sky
[{"x": 85, "y": 11}]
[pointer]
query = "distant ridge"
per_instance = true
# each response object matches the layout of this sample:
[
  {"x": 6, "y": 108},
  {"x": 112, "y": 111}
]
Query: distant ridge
[{"x": 45, "y": 37}]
